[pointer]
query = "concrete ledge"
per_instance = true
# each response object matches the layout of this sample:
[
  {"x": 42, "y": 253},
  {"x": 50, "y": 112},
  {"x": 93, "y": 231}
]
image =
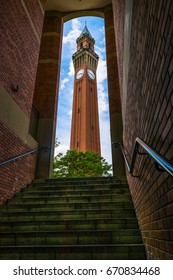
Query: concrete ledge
[{"x": 15, "y": 119}]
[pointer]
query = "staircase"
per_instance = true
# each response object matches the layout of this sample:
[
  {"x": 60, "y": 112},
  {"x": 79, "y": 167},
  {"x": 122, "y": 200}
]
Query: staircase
[{"x": 65, "y": 219}]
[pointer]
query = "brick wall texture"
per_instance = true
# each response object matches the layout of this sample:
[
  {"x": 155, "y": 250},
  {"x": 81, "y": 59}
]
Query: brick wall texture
[
  {"x": 20, "y": 33},
  {"x": 112, "y": 63},
  {"x": 149, "y": 115},
  {"x": 19, "y": 48},
  {"x": 15, "y": 175},
  {"x": 118, "y": 12}
]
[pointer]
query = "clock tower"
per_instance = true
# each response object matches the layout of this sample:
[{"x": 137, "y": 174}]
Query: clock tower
[{"x": 85, "y": 134}]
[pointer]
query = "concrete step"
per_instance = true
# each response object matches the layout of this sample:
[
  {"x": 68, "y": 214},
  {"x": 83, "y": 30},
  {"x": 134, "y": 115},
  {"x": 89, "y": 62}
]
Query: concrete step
[
  {"x": 80, "y": 187},
  {"x": 85, "y": 218},
  {"x": 31, "y": 192},
  {"x": 68, "y": 224},
  {"x": 79, "y": 181},
  {"x": 71, "y": 237},
  {"x": 69, "y": 206},
  {"x": 122, "y": 200},
  {"x": 73, "y": 191},
  {"x": 74, "y": 252},
  {"x": 11, "y": 215}
]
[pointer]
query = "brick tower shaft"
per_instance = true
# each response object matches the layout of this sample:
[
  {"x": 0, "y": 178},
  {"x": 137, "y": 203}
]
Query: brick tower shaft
[{"x": 85, "y": 134}]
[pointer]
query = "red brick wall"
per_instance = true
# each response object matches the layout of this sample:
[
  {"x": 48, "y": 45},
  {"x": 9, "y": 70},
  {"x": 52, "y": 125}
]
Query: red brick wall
[
  {"x": 19, "y": 49},
  {"x": 18, "y": 174},
  {"x": 149, "y": 115},
  {"x": 118, "y": 12},
  {"x": 36, "y": 14},
  {"x": 20, "y": 33},
  {"x": 112, "y": 63},
  {"x": 43, "y": 3}
]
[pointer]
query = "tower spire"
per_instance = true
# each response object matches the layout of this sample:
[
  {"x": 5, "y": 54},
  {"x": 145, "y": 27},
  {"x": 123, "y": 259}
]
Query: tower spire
[{"x": 85, "y": 33}]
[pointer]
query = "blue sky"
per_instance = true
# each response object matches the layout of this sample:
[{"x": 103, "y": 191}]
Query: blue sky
[{"x": 72, "y": 30}]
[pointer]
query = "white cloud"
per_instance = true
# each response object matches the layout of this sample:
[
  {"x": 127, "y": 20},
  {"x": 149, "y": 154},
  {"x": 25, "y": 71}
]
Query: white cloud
[
  {"x": 63, "y": 82},
  {"x": 74, "y": 33},
  {"x": 70, "y": 113},
  {"x": 105, "y": 140},
  {"x": 100, "y": 50},
  {"x": 101, "y": 83},
  {"x": 71, "y": 69},
  {"x": 76, "y": 24},
  {"x": 103, "y": 104},
  {"x": 101, "y": 33},
  {"x": 102, "y": 67},
  {"x": 101, "y": 71},
  {"x": 63, "y": 134},
  {"x": 61, "y": 149}
]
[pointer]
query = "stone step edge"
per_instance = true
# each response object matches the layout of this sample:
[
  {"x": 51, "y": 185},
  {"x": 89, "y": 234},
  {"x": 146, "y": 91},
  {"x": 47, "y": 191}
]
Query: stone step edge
[
  {"x": 16, "y": 197},
  {"x": 128, "y": 219},
  {"x": 69, "y": 192},
  {"x": 73, "y": 179},
  {"x": 49, "y": 211},
  {"x": 73, "y": 245},
  {"x": 72, "y": 231},
  {"x": 112, "y": 186},
  {"x": 81, "y": 210},
  {"x": 66, "y": 204},
  {"x": 66, "y": 201}
]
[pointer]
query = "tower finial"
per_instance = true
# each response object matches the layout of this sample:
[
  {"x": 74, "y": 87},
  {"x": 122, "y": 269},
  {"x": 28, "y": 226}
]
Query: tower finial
[{"x": 85, "y": 24}]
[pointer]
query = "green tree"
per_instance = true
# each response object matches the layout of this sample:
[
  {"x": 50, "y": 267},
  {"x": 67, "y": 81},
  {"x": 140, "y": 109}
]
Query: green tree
[{"x": 80, "y": 164}]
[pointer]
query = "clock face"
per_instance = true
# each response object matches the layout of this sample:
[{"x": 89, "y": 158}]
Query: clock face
[
  {"x": 91, "y": 74},
  {"x": 80, "y": 74}
]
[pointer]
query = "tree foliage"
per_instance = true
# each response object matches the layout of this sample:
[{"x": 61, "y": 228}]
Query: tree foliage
[{"x": 80, "y": 164}]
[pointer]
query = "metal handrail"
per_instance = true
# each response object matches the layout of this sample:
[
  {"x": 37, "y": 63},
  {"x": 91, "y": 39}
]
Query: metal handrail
[
  {"x": 17, "y": 157},
  {"x": 160, "y": 160},
  {"x": 22, "y": 155}
]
